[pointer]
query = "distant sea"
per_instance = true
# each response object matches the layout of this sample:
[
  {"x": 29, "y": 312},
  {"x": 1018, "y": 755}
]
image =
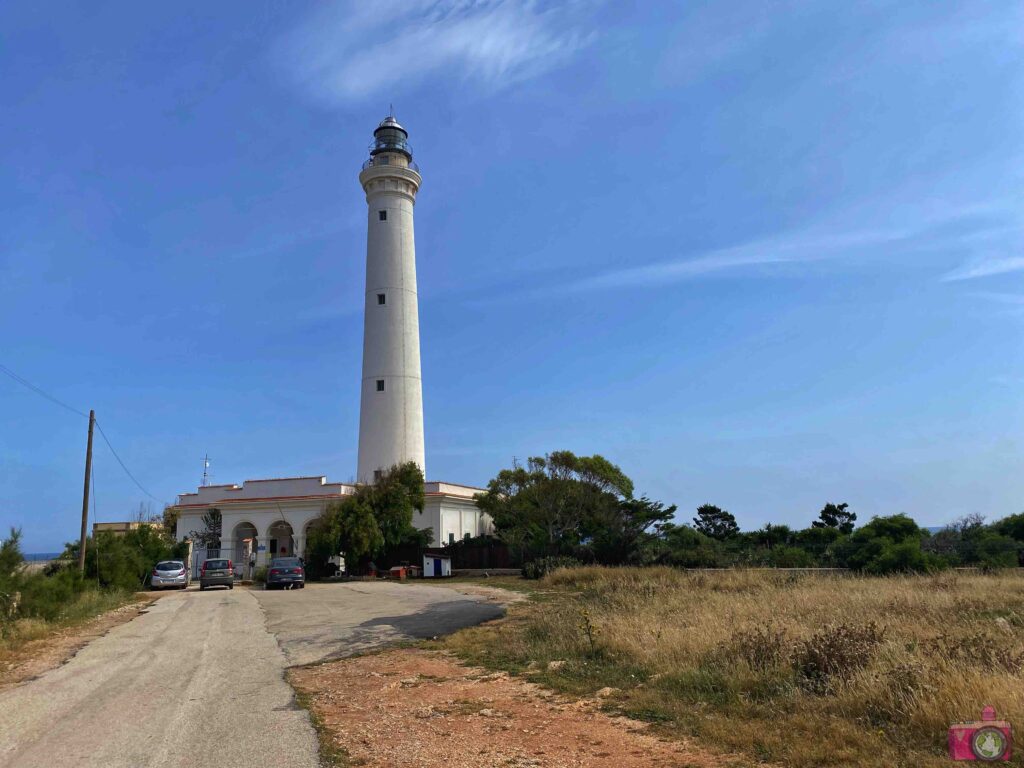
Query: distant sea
[{"x": 35, "y": 557}]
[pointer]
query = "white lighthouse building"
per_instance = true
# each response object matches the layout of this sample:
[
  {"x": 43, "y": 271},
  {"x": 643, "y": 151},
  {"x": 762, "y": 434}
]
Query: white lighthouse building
[
  {"x": 391, "y": 397},
  {"x": 265, "y": 518}
]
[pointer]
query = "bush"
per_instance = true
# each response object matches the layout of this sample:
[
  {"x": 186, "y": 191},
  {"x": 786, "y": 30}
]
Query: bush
[
  {"x": 541, "y": 567},
  {"x": 762, "y": 648},
  {"x": 260, "y": 577},
  {"x": 125, "y": 561},
  {"x": 784, "y": 556},
  {"x": 836, "y": 652}
]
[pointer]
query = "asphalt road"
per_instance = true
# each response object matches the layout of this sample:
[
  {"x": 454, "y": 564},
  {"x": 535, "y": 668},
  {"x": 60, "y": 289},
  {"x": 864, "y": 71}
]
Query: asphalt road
[{"x": 198, "y": 680}]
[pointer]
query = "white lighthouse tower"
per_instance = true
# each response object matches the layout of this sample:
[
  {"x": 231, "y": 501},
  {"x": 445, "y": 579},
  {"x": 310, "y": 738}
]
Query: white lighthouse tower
[{"x": 391, "y": 400}]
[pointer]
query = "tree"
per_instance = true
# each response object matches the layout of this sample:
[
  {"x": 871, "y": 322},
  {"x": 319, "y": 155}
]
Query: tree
[
  {"x": 714, "y": 522},
  {"x": 548, "y": 504},
  {"x": 682, "y": 546},
  {"x": 374, "y": 518},
  {"x": 617, "y": 533},
  {"x": 125, "y": 560},
  {"x": 11, "y": 558},
  {"x": 209, "y": 537},
  {"x": 169, "y": 521},
  {"x": 1012, "y": 526},
  {"x": 564, "y": 504},
  {"x": 887, "y": 545},
  {"x": 837, "y": 516}
]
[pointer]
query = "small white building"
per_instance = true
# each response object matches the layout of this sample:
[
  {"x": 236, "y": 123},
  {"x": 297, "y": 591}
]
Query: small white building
[
  {"x": 436, "y": 566},
  {"x": 272, "y": 517}
]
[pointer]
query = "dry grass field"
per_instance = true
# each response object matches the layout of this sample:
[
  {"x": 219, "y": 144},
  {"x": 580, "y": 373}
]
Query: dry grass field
[
  {"x": 16, "y": 635},
  {"x": 793, "y": 669}
]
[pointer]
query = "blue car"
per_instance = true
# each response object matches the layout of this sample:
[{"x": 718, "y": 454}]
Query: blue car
[{"x": 286, "y": 573}]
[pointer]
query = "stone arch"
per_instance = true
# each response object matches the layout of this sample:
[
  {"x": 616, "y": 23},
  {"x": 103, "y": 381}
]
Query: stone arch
[
  {"x": 280, "y": 539},
  {"x": 245, "y": 536}
]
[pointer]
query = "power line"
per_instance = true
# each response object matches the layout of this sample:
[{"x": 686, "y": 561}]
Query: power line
[
  {"x": 126, "y": 470},
  {"x": 52, "y": 399},
  {"x": 38, "y": 391}
]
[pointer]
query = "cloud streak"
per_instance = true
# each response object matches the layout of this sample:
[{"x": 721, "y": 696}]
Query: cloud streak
[
  {"x": 349, "y": 51},
  {"x": 773, "y": 251}
]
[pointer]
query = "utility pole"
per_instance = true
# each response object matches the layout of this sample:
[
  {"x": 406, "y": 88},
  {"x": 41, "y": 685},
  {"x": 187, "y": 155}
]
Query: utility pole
[{"x": 85, "y": 493}]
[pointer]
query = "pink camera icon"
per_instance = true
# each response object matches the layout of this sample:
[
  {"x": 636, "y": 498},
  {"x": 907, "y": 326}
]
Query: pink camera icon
[{"x": 988, "y": 739}]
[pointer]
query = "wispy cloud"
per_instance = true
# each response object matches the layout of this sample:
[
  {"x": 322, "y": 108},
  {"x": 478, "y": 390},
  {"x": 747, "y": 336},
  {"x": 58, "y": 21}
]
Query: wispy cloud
[
  {"x": 348, "y": 51},
  {"x": 931, "y": 230},
  {"x": 798, "y": 247},
  {"x": 994, "y": 251},
  {"x": 986, "y": 267}
]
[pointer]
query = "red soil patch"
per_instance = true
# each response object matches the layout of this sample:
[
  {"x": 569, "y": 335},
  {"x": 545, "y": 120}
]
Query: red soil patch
[{"x": 423, "y": 708}]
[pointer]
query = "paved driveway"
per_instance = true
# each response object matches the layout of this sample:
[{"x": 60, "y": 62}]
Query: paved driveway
[
  {"x": 197, "y": 680},
  {"x": 326, "y": 621}
]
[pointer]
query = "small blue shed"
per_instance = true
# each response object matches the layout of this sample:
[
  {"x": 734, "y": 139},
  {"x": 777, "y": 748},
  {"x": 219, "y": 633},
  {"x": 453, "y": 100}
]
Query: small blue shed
[{"x": 436, "y": 566}]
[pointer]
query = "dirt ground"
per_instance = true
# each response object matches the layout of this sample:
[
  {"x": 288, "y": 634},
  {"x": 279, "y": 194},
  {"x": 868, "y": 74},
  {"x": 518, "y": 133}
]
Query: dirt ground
[
  {"x": 424, "y": 708},
  {"x": 36, "y": 657}
]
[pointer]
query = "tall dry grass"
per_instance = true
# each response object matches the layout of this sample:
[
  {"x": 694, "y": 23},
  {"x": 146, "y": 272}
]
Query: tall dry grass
[
  {"x": 796, "y": 669},
  {"x": 16, "y": 633}
]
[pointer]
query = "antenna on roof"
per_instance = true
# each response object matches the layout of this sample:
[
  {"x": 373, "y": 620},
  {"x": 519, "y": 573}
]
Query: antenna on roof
[
  {"x": 206, "y": 468},
  {"x": 391, "y": 110}
]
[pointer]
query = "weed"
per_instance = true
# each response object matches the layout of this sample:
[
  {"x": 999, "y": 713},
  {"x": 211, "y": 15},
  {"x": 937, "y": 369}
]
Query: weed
[
  {"x": 762, "y": 648},
  {"x": 835, "y": 653},
  {"x": 979, "y": 649}
]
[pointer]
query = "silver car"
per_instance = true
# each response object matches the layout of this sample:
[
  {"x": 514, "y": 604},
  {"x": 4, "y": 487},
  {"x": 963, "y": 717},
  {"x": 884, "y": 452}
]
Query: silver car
[{"x": 169, "y": 573}]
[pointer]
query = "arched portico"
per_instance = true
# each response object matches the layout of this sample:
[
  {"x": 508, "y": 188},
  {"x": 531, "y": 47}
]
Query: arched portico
[
  {"x": 280, "y": 539},
  {"x": 246, "y": 538}
]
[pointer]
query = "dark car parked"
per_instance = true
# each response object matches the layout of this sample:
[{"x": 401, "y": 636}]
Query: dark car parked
[
  {"x": 286, "y": 573},
  {"x": 217, "y": 573}
]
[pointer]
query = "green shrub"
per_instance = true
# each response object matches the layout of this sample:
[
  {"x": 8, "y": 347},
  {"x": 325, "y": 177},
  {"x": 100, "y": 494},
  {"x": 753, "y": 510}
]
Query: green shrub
[
  {"x": 542, "y": 566},
  {"x": 125, "y": 561},
  {"x": 260, "y": 577}
]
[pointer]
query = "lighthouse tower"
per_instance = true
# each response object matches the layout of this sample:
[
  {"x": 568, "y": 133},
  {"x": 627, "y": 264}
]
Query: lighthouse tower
[{"x": 391, "y": 400}]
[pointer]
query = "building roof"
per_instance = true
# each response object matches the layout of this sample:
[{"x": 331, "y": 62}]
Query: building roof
[{"x": 280, "y": 489}]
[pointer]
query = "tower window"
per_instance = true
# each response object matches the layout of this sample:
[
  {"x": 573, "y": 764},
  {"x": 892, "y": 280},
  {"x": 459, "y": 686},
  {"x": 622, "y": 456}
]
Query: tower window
[
  {"x": 380, "y": 385},
  {"x": 381, "y": 299},
  {"x": 377, "y": 474},
  {"x": 382, "y": 215}
]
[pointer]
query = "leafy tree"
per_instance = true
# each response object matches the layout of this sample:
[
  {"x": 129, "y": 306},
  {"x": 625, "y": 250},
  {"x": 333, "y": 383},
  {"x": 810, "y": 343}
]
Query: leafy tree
[
  {"x": 714, "y": 522},
  {"x": 682, "y": 546},
  {"x": 125, "y": 560},
  {"x": 819, "y": 543},
  {"x": 837, "y": 516},
  {"x": 553, "y": 503},
  {"x": 992, "y": 550},
  {"x": 772, "y": 536},
  {"x": 365, "y": 523},
  {"x": 618, "y": 533},
  {"x": 886, "y": 545},
  {"x": 11, "y": 558},
  {"x": 785, "y": 556},
  {"x": 169, "y": 521},
  {"x": 1012, "y": 526}
]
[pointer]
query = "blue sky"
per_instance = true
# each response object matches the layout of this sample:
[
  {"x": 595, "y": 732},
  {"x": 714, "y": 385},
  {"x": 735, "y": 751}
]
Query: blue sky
[{"x": 764, "y": 255}]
